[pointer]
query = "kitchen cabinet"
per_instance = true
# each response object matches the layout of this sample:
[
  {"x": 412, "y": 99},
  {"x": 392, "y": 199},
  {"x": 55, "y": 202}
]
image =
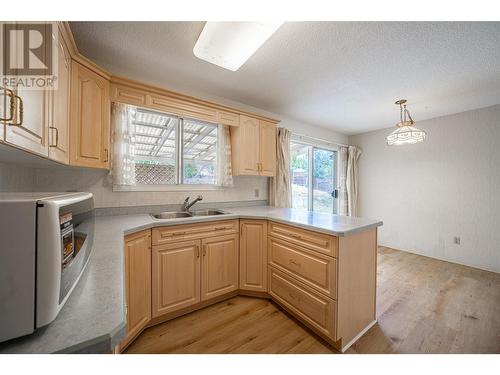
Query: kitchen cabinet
[
  {"x": 59, "y": 102},
  {"x": 137, "y": 282},
  {"x": 193, "y": 263},
  {"x": 175, "y": 276},
  {"x": 228, "y": 118},
  {"x": 219, "y": 266},
  {"x": 314, "y": 309},
  {"x": 136, "y": 93},
  {"x": 90, "y": 111},
  {"x": 253, "y": 255},
  {"x": 253, "y": 147},
  {"x": 267, "y": 148},
  {"x": 29, "y": 127},
  {"x": 313, "y": 269},
  {"x": 325, "y": 281}
]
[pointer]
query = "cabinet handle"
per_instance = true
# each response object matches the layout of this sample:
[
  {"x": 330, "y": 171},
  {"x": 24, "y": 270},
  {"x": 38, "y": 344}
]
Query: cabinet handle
[
  {"x": 57, "y": 136},
  {"x": 294, "y": 262},
  {"x": 197, "y": 251},
  {"x": 204, "y": 250},
  {"x": 221, "y": 228},
  {"x": 295, "y": 235},
  {"x": 11, "y": 95},
  {"x": 106, "y": 155},
  {"x": 21, "y": 112}
]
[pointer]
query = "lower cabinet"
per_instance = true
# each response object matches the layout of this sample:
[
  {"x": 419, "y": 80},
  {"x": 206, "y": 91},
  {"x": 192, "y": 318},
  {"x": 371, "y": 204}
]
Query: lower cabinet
[
  {"x": 137, "y": 282},
  {"x": 175, "y": 276},
  {"x": 185, "y": 273},
  {"x": 328, "y": 283},
  {"x": 219, "y": 269},
  {"x": 253, "y": 255},
  {"x": 314, "y": 309}
]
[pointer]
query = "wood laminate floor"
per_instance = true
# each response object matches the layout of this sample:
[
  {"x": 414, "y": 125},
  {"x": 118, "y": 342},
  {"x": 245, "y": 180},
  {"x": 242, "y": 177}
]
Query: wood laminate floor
[{"x": 423, "y": 306}]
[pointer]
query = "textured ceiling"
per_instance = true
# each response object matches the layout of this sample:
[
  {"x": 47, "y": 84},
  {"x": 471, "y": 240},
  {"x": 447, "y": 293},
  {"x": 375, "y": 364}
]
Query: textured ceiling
[{"x": 343, "y": 76}]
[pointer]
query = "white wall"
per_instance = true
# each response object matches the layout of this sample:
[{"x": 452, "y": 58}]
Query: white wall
[{"x": 430, "y": 192}]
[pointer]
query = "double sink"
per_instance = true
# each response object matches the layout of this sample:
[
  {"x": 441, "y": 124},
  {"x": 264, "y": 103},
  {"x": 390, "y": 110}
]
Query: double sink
[{"x": 185, "y": 214}]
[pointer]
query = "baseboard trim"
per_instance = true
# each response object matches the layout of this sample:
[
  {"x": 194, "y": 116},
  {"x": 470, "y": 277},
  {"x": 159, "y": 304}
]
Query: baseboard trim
[
  {"x": 252, "y": 293},
  {"x": 358, "y": 336}
]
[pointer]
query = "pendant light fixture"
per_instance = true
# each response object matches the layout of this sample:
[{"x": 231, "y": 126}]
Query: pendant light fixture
[{"x": 405, "y": 132}]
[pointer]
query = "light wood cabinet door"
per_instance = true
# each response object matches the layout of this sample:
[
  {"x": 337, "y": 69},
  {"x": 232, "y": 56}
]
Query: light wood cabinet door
[
  {"x": 29, "y": 128},
  {"x": 31, "y": 132},
  {"x": 245, "y": 147},
  {"x": 90, "y": 118},
  {"x": 138, "y": 282},
  {"x": 175, "y": 276},
  {"x": 59, "y": 106},
  {"x": 253, "y": 255},
  {"x": 219, "y": 266},
  {"x": 267, "y": 148}
]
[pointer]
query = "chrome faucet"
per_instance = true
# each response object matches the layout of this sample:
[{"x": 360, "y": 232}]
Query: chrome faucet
[{"x": 186, "y": 205}]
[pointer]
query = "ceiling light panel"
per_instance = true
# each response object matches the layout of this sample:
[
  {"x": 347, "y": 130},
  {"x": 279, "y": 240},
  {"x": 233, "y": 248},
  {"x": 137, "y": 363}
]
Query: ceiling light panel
[{"x": 230, "y": 44}]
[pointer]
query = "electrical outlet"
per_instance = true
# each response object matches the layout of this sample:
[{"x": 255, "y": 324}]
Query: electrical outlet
[
  {"x": 456, "y": 240},
  {"x": 256, "y": 193}
]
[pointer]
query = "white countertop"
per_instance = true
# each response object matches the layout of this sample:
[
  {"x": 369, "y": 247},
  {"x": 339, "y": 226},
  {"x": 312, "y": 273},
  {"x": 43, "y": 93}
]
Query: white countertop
[{"x": 93, "y": 320}]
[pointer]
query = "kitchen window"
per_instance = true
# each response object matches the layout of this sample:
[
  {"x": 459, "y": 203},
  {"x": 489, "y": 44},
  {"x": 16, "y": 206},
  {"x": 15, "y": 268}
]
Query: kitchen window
[
  {"x": 314, "y": 178},
  {"x": 173, "y": 151}
]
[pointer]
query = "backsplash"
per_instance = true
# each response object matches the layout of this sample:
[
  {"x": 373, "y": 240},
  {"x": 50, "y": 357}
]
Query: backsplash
[{"x": 16, "y": 178}]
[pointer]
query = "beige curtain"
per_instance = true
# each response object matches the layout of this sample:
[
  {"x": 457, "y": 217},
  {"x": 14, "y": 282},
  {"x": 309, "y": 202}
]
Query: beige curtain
[
  {"x": 224, "y": 169},
  {"x": 123, "y": 135},
  {"x": 342, "y": 155},
  {"x": 280, "y": 192},
  {"x": 352, "y": 183}
]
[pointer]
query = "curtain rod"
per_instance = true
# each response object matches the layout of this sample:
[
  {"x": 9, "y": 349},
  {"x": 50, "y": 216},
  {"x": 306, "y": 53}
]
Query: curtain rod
[{"x": 319, "y": 139}]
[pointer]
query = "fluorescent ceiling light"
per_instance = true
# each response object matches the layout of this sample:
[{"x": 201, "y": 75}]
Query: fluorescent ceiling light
[{"x": 230, "y": 44}]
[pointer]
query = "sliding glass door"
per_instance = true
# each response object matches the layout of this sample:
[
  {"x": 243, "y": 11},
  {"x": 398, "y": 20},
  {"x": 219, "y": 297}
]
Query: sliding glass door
[{"x": 314, "y": 178}]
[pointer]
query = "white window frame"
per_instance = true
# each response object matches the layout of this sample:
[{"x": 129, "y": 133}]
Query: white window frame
[
  {"x": 179, "y": 164},
  {"x": 321, "y": 146}
]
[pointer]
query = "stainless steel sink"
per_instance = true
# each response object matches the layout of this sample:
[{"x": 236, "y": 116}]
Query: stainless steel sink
[
  {"x": 208, "y": 212},
  {"x": 171, "y": 215},
  {"x": 180, "y": 214}
]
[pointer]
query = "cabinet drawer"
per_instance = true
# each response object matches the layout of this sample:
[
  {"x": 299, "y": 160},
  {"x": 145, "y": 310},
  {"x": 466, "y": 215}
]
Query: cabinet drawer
[
  {"x": 176, "y": 233},
  {"x": 313, "y": 269},
  {"x": 320, "y": 242},
  {"x": 314, "y": 309}
]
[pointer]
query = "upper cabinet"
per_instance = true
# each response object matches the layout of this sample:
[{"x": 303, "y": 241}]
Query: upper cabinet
[
  {"x": 28, "y": 128},
  {"x": 58, "y": 119},
  {"x": 267, "y": 148},
  {"x": 253, "y": 147},
  {"x": 89, "y": 118}
]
